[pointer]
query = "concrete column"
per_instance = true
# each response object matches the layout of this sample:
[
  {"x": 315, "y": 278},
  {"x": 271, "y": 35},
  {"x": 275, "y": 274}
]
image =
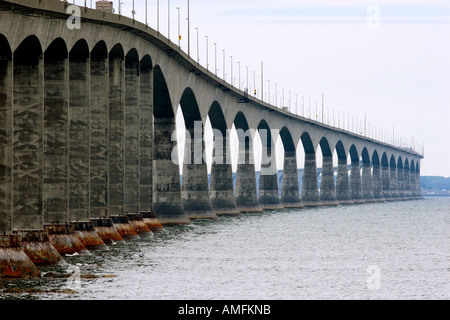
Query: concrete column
[
  {"x": 6, "y": 145},
  {"x": 367, "y": 183},
  {"x": 246, "y": 194},
  {"x": 132, "y": 133},
  {"x": 327, "y": 188},
  {"x": 394, "y": 182},
  {"x": 221, "y": 191},
  {"x": 167, "y": 202},
  {"x": 414, "y": 193},
  {"x": 146, "y": 139},
  {"x": 194, "y": 188},
  {"x": 99, "y": 115},
  {"x": 401, "y": 184},
  {"x": 79, "y": 127},
  {"x": 377, "y": 183},
  {"x": 419, "y": 184},
  {"x": 407, "y": 182},
  {"x": 355, "y": 183},
  {"x": 269, "y": 198},
  {"x": 342, "y": 184},
  {"x": 56, "y": 140},
  {"x": 28, "y": 143},
  {"x": 310, "y": 188},
  {"x": 386, "y": 181},
  {"x": 116, "y": 155},
  {"x": 290, "y": 193}
]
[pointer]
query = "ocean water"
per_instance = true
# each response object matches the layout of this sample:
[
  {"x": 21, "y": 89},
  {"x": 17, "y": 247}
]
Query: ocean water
[{"x": 397, "y": 250}]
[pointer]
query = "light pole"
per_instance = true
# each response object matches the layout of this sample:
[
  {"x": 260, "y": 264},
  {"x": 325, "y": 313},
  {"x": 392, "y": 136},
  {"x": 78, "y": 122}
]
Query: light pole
[
  {"x": 146, "y": 13},
  {"x": 224, "y": 75},
  {"x": 198, "y": 51},
  {"x": 239, "y": 64},
  {"x": 189, "y": 30},
  {"x": 179, "y": 32},
  {"x": 254, "y": 82},
  {"x": 231, "y": 57},
  {"x": 215, "y": 58},
  {"x": 168, "y": 18},
  {"x": 133, "y": 12},
  {"x": 157, "y": 16},
  {"x": 207, "y": 60}
]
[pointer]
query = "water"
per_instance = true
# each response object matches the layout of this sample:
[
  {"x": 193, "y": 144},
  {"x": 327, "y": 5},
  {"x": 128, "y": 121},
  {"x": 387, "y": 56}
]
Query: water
[{"x": 375, "y": 251}]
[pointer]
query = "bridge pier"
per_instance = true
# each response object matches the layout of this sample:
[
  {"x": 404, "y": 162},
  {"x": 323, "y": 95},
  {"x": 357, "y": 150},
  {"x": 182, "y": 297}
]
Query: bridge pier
[
  {"x": 367, "y": 185},
  {"x": 394, "y": 182},
  {"x": 386, "y": 181},
  {"x": 222, "y": 197},
  {"x": 327, "y": 188},
  {"x": 310, "y": 188},
  {"x": 342, "y": 183},
  {"x": 194, "y": 188},
  {"x": 290, "y": 192},
  {"x": 377, "y": 183},
  {"x": 269, "y": 198},
  {"x": 401, "y": 184},
  {"x": 106, "y": 231},
  {"x": 407, "y": 178},
  {"x": 14, "y": 262},
  {"x": 355, "y": 182}
]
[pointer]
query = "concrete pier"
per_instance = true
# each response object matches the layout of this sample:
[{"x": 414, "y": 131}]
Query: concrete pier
[
  {"x": 394, "y": 181},
  {"x": 137, "y": 221},
  {"x": 64, "y": 239},
  {"x": 85, "y": 231},
  {"x": 124, "y": 227},
  {"x": 367, "y": 184},
  {"x": 106, "y": 231},
  {"x": 386, "y": 181},
  {"x": 377, "y": 183},
  {"x": 355, "y": 182},
  {"x": 342, "y": 183},
  {"x": 310, "y": 189},
  {"x": 14, "y": 262},
  {"x": 36, "y": 244},
  {"x": 152, "y": 222},
  {"x": 327, "y": 187},
  {"x": 290, "y": 193}
]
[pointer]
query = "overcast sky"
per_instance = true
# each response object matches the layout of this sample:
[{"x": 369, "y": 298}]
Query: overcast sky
[{"x": 389, "y": 60}]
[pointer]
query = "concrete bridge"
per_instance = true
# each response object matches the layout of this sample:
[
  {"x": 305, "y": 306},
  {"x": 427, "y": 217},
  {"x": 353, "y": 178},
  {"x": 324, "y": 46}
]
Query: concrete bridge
[{"x": 86, "y": 123}]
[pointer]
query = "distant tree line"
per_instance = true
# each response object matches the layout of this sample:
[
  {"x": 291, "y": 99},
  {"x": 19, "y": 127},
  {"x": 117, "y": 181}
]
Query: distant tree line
[{"x": 436, "y": 183}]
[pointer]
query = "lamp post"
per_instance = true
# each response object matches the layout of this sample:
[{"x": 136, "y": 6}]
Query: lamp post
[
  {"x": 207, "y": 60},
  {"x": 215, "y": 58},
  {"x": 198, "y": 51},
  {"x": 168, "y": 18},
  {"x": 179, "y": 32},
  {"x": 224, "y": 75},
  {"x": 189, "y": 30}
]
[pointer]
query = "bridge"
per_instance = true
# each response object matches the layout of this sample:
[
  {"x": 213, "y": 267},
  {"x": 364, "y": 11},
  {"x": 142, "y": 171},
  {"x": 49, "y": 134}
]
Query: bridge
[{"x": 87, "y": 118}]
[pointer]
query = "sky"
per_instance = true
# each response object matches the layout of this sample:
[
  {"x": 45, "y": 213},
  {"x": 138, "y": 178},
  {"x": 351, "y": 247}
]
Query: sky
[{"x": 385, "y": 60}]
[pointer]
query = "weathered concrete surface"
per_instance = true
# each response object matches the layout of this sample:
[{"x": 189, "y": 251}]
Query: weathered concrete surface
[
  {"x": 386, "y": 181},
  {"x": 14, "y": 263},
  {"x": 152, "y": 222},
  {"x": 137, "y": 221},
  {"x": 367, "y": 185},
  {"x": 290, "y": 192},
  {"x": 327, "y": 187},
  {"x": 124, "y": 228},
  {"x": 342, "y": 183},
  {"x": 377, "y": 183},
  {"x": 64, "y": 239},
  {"x": 79, "y": 79},
  {"x": 37, "y": 246},
  {"x": 310, "y": 189},
  {"x": 394, "y": 182},
  {"x": 85, "y": 231},
  {"x": 106, "y": 231},
  {"x": 6, "y": 142},
  {"x": 355, "y": 183}
]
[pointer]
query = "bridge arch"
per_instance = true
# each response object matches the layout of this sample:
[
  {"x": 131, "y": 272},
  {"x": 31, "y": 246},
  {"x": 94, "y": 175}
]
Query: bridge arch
[
  {"x": 342, "y": 180},
  {"x": 367, "y": 186},
  {"x": 194, "y": 189},
  {"x": 356, "y": 191},
  {"x": 310, "y": 185},
  {"x": 268, "y": 183},
  {"x": 327, "y": 185},
  {"x": 246, "y": 191},
  {"x": 290, "y": 192}
]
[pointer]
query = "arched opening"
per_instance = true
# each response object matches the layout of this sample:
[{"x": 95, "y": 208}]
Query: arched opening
[
  {"x": 342, "y": 179},
  {"x": 393, "y": 177},
  {"x": 167, "y": 202},
  {"x": 56, "y": 128},
  {"x": 310, "y": 187},
  {"x": 377, "y": 177},
  {"x": 327, "y": 184},
  {"x": 268, "y": 183},
  {"x": 6, "y": 136},
  {"x": 221, "y": 191},
  {"x": 366, "y": 178},
  {"x": 290, "y": 193},
  {"x": 355, "y": 176},
  {"x": 194, "y": 189},
  {"x": 28, "y": 127},
  {"x": 246, "y": 190}
]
